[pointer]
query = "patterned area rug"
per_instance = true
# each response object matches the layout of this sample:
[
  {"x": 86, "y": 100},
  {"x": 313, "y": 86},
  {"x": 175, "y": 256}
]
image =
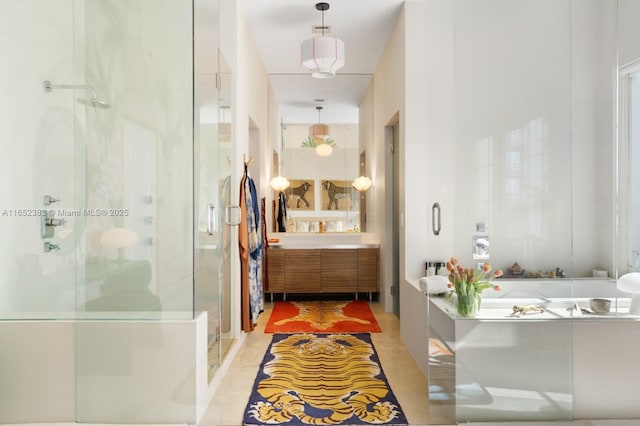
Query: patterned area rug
[
  {"x": 324, "y": 316},
  {"x": 322, "y": 379}
]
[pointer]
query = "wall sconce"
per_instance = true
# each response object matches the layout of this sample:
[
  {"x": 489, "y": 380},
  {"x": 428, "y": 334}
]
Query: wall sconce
[
  {"x": 362, "y": 183},
  {"x": 279, "y": 183},
  {"x": 630, "y": 283}
]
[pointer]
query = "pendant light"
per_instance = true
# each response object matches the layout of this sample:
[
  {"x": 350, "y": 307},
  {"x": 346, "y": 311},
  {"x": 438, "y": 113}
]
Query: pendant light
[
  {"x": 322, "y": 55},
  {"x": 320, "y": 132}
]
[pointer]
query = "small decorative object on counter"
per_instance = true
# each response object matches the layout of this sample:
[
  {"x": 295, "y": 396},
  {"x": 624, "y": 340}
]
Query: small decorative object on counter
[
  {"x": 441, "y": 269},
  {"x": 518, "y": 311},
  {"x": 515, "y": 270},
  {"x": 466, "y": 286}
]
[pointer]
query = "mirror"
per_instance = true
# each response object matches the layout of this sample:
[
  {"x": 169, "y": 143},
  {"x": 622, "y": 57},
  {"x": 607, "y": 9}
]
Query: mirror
[
  {"x": 279, "y": 30},
  {"x": 321, "y": 197}
]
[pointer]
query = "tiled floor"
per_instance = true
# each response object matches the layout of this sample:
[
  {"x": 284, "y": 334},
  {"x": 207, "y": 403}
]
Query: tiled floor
[
  {"x": 405, "y": 378},
  {"x": 403, "y": 374}
]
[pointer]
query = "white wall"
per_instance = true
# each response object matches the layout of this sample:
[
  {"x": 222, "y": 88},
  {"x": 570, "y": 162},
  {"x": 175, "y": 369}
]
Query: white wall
[
  {"x": 513, "y": 130},
  {"x": 529, "y": 129},
  {"x": 387, "y": 90},
  {"x": 251, "y": 104},
  {"x": 252, "y": 87},
  {"x": 414, "y": 153},
  {"x": 439, "y": 173},
  {"x": 481, "y": 85},
  {"x": 628, "y": 31},
  {"x": 399, "y": 93},
  {"x": 593, "y": 135}
]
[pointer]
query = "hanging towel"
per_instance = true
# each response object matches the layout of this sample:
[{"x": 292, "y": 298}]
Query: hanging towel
[
  {"x": 251, "y": 250},
  {"x": 282, "y": 212}
]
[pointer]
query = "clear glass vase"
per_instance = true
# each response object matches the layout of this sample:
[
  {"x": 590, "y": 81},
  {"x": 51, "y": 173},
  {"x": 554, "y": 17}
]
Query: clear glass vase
[{"x": 467, "y": 306}]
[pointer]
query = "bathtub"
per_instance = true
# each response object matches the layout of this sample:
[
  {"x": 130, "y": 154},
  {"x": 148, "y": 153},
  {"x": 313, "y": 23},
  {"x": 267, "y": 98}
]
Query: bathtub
[{"x": 556, "y": 365}]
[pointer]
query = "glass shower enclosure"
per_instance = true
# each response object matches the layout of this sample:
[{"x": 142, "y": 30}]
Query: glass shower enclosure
[{"x": 114, "y": 258}]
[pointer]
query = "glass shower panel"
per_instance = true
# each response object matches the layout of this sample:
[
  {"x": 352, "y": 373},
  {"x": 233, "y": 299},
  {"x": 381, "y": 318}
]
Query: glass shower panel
[
  {"x": 37, "y": 250},
  {"x": 634, "y": 170},
  {"x": 136, "y": 252},
  {"x": 227, "y": 198},
  {"x": 210, "y": 189}
]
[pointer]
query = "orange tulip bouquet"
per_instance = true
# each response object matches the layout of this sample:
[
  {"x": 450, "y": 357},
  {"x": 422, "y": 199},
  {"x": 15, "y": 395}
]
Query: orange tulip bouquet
[{"x": 467, "y": 286}]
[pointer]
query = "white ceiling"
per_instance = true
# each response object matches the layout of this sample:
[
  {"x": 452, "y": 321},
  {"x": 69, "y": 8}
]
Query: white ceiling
[{"x": 280, "y": 26}]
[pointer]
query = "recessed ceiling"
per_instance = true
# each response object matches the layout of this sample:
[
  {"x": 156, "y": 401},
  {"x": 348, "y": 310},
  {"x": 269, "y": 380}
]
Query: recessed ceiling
[{"x": 280, "y": 26}]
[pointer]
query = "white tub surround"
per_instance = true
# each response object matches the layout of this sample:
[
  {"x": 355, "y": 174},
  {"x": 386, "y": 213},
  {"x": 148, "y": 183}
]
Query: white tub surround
[{"x": 561, "y": 364}]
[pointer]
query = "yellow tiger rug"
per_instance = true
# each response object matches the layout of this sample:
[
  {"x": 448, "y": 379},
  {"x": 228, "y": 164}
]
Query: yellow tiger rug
[{"x": 322, "y": 379}]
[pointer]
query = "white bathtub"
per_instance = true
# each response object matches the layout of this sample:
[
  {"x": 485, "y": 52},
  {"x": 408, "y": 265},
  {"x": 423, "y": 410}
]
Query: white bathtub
[{"x": 549, "y": 366}]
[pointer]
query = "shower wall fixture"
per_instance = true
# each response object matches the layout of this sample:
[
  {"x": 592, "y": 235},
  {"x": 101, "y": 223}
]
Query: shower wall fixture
[{"x": 93, "y": 102}]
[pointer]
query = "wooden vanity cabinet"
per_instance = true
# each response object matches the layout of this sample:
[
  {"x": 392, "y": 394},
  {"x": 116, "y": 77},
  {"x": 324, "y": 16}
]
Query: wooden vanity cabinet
[
  {"x": 368, "y": 259},
  {"x": 339, "y": 270},
  {"x": 302, "y": 271},
  {"x": 322, "y": 270},
  {"x": 275, "y": 268}
]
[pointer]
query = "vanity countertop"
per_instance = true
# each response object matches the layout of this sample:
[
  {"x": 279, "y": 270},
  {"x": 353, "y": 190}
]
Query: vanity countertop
[{"x": 334, "y": 240}]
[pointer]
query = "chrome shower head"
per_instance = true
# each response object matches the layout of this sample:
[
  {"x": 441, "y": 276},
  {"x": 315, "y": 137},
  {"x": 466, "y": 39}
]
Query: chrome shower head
[{"x": 95, "y": 103}]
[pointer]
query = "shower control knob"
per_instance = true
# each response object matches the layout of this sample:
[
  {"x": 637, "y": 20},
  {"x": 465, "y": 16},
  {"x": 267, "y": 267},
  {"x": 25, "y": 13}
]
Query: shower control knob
[
  {"x": 48, "y": 200},
  {"x": 56, "y": 222},
  {"x": 47, "y": 247}
]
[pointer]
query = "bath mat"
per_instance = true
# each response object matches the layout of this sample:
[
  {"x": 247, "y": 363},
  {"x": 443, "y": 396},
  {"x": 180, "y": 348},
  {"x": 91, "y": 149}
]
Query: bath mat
[
  {"x": 322, "y": 317},
  {"x": 324, "y": 379}
]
